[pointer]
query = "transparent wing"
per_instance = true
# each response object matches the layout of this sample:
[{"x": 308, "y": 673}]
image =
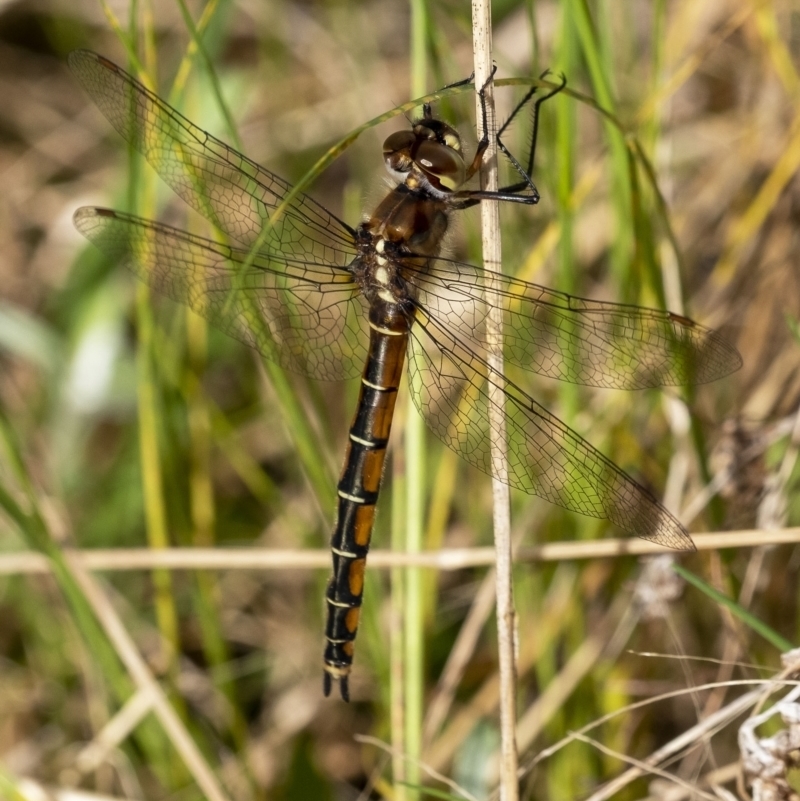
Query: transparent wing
[
  {"x": 449, "y": 384},
  {"x": 307, "y": 317},
  {"x": 230, "y": 190},
  {"x": 588, "y": 342}
]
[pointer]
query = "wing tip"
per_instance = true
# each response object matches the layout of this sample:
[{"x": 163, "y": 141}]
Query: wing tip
[
  {"x": 718, "y": 358},
  {"x": 76, "y": 57},
  {"x": 84, "y": 215},
  {"x": 671, "y": 534}
]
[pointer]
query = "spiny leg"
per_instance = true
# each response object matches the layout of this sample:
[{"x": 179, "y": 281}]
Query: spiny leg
[
  {"x": 527, "y": 173},
  {"x": 514, "y": 192}
]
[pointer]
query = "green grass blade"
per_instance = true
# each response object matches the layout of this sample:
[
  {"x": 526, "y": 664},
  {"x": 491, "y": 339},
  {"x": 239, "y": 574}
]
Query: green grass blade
[
  {"x": 749, "y": 619},
  {"x": 414, "y": 612}
]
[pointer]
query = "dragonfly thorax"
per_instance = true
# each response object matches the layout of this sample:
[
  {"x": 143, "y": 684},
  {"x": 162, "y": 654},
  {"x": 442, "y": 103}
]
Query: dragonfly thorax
[
  {"x": 378, "y": 271},
  {"x": 410, "y": 223}
]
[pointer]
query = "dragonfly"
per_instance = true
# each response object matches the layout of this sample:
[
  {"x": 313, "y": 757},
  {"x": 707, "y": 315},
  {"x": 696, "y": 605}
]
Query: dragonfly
[{"x": 334, "y": 301}]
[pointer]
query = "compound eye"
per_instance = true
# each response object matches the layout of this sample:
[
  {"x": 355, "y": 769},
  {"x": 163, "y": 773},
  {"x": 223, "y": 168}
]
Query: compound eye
[
  {"x": 397, "y": 151},
  {"x": 398, "y": 141},
  {"x": 443, "y": 165}
]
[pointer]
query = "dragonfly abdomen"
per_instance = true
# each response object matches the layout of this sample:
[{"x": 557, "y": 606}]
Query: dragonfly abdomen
[{"x": 360, "y": 484}]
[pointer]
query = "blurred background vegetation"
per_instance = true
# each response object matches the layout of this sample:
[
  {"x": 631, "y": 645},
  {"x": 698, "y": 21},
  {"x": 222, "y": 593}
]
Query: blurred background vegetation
[{"x": 129, "y": 424}]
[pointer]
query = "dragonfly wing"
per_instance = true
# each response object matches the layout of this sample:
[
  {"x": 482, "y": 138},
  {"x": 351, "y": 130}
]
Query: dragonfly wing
[
  {"x": 307, "y": 317},
  {"x": 450, "y": 387},
  {"x": 233, "y": 192},
  {"x": 590, "y": 342}
]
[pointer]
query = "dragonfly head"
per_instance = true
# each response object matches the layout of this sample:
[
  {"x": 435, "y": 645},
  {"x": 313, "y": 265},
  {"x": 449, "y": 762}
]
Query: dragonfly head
[{"x": 429, "y": 154}]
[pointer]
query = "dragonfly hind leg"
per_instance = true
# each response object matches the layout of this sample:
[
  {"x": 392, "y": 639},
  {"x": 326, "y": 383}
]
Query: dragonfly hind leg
[
  {"x": 523, "y": 191},
  {"x": 527, "y": 171}
]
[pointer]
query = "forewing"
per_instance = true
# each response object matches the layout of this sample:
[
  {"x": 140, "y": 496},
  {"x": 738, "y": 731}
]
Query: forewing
[
  {"x": 450, "y": 387},
  {"x": 582, "y": 341},
  {"x": 230, "y": 190},
  {"x": 307, "y": 317}
]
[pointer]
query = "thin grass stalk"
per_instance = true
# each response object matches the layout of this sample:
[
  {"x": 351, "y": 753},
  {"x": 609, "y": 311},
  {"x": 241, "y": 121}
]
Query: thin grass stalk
[
  {"x": 203, "y": 517},
  {"x": 300, "y": 429},
  {"x": 152, "y": 482},
  {"x": 197, "y": 43},
  {"x": 125, "y": 40},
  {"x": 35, "y": 531},
  {"x": 443, "y": 481},
  {"x": 144, "y": 680},
  {"x": 397, "y": 652},
  {"x": 462, "y": 651},
  {"x": 592, "y": 49},
  {"x": 142, "y": 199},
  {"x": 201, "y": 489},
  {"x": 566, "y": 202},
  {"x": 414, "y": 617},
  {"x": 685, "y": 740},
  {"x": 490, "y": 225},
  {"x": 484, "y": 701},
  {"x": 413, "y": 601},
  {"x": 192, "y": 49},
  {"x": 660, "y": 150}
]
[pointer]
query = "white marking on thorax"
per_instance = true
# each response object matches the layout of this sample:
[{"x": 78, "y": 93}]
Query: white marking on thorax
[{"x": 382, "y": 274}]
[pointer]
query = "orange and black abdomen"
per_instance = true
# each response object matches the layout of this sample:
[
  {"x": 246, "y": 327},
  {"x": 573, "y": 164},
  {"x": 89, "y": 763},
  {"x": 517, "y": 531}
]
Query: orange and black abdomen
[{"x": 359, "y": 485}]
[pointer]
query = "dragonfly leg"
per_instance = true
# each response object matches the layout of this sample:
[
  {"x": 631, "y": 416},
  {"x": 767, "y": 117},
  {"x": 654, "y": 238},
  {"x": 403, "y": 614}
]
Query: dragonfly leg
[
  {"x": 523, "y": 191},
  {"x": 527, "y": 172}
]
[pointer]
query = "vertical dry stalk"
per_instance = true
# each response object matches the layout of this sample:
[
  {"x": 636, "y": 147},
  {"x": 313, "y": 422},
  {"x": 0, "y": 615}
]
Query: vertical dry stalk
[{"x": 490, "y": 224}]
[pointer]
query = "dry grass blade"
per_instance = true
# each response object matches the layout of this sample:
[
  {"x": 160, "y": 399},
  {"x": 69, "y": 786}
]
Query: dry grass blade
[
  {"x": 646, "y": 768},
  {"x": 460, "y": 654},
  {"x": 432, "y": 772},
  {"x": 144, "y": 680},
  {"x": 128, "y": 559}
]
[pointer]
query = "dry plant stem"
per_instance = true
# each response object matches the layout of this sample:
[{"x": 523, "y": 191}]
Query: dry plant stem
[
  {"x": 483, "y": 703},
  {"x": 115, "y": 731},
  {"x": 144, "y": 680},
  {"x": 713, "y": 779},
  {"x": 434, "y": 774},
  {"x": 490, "y": 225},
  {"x": 646, "y": 768},
  {"x": 763, "y": 690},
  {"x": 124, "y": 559},
  {"x": 688, "y": 738},
  {"x": 460, "y": 654},
  {"x": 615, "y": 628}
]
